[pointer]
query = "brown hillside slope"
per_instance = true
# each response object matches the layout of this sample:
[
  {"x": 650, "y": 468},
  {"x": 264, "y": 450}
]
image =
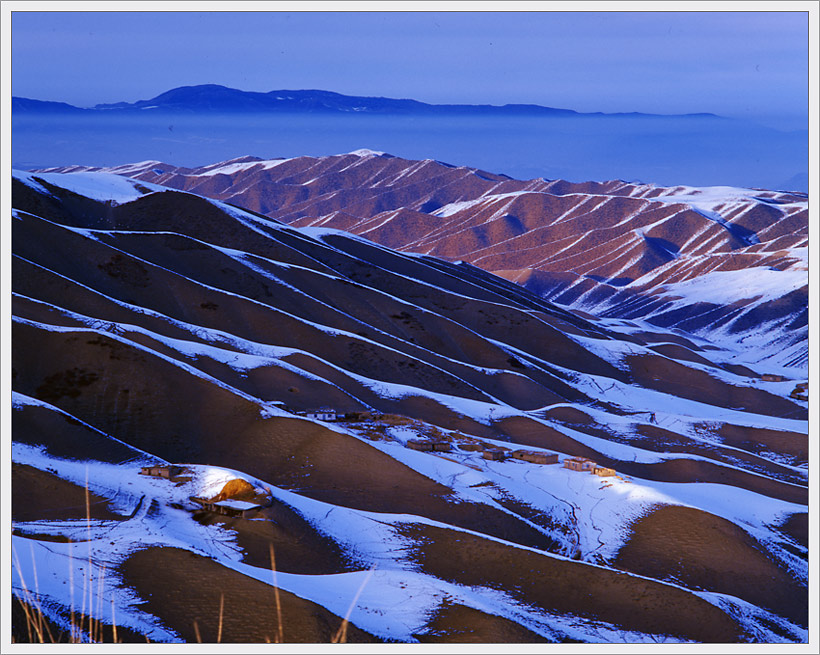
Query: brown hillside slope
[{"x": 561, "y": 239}]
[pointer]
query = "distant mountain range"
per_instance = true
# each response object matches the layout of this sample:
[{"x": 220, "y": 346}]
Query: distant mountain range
[{"x": 210, "y": 98}]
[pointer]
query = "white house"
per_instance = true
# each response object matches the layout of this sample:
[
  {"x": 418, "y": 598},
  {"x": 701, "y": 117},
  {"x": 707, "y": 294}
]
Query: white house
[{"x": 323, "y": 414}]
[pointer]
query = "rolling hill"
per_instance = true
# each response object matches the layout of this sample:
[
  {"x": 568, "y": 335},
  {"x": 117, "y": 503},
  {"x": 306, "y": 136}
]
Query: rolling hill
[
  {"x": 157, "y": 326},
  {"x": 718, "y": 262}
]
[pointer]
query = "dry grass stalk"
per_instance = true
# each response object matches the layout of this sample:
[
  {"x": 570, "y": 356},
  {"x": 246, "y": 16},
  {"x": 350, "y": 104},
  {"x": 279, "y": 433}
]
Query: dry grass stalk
[
  {"x": 37, "y": 626},
  {"x": 37, "y": 589},
  {"x": 35, "y": 619},
  {"x": 221, "y": 607},
  {"x": 71, "y": 588},
  {"x": 114, "y": 621},
  {"x": 29, "y": 621},
  {"x": 86, "y": 582},
  {"x": 100, "y": 624},
  {"x": 341, "y": 634},
  {"x": 280, "y": 634},
  {"x": 38, "y": 629}
]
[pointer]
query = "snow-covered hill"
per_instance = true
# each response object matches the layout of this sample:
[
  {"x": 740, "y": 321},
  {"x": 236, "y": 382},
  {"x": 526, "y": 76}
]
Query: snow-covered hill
[
  {"x": 728, "y": 264},
  {"x": 154, "y": 326}
]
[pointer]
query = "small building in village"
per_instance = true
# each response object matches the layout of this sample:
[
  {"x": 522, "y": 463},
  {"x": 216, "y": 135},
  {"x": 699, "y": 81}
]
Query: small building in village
[
  {"x": 428, "y": 445},
  {"x": 535, "y": 457},
  {"x": 801, "y": 391},
  {"x": 495, "y": 454},
  {"x": 324, "y": 414},
  {"x": 420, "y": 444},
  {"x": 771, "y": 377},
  {"x": 166, "y": 471},
  {"x": 579, "y": 464},
  {"x": 229, "y": 507},
  {"x": 470, "y": 446},
  {"x": 584, "y": 464}
]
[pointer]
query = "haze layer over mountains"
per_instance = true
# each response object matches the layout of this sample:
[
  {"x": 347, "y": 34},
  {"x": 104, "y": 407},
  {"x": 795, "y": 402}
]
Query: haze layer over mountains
[{"x": 195, "y": 125}]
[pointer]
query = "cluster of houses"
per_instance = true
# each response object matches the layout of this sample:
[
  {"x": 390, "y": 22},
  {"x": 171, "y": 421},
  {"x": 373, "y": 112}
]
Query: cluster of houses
[
  {"x": 487, "y": 452},
  {"x": 498, "y": 453},
  {"x": 532, "y": 456}
]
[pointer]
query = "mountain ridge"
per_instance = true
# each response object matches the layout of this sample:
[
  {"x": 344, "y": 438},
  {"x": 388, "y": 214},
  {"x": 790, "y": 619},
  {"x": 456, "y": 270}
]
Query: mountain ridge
[
  {"x": 612, "y": 248},
  {"x": 215, "y": 97}
]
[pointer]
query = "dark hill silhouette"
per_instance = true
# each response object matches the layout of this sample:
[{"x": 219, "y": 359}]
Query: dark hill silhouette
[{"x": 216, "y": 98}]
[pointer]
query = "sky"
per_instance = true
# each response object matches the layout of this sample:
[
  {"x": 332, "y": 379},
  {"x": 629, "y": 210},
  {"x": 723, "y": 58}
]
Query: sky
[{"x": 737, "y": 63}]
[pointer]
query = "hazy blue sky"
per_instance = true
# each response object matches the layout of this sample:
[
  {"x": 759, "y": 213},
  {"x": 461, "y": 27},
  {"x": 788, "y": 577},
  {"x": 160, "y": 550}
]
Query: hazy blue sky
[{"x": 745, "y": 64}]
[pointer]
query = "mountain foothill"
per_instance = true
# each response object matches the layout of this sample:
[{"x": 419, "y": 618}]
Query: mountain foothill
[{"x": 448, "y": 321}]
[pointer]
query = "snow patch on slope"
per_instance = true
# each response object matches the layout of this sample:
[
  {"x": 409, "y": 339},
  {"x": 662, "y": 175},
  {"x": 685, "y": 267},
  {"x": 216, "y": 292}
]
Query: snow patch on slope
[
  {"x": 237, "y": 167},
  {"x": 366, "y": 152},
  {"x": 104, "y": 187},
  {"x": 724, "y": 287}
]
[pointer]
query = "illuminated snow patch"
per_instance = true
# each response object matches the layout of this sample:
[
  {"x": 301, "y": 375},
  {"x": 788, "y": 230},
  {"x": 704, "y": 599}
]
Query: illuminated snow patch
[
  {"x": 238, "y": 167},
  {"x": 104, "y": 187},
  {"x": 366, "y": 152},
  {"x": 721, "y": 287}
]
